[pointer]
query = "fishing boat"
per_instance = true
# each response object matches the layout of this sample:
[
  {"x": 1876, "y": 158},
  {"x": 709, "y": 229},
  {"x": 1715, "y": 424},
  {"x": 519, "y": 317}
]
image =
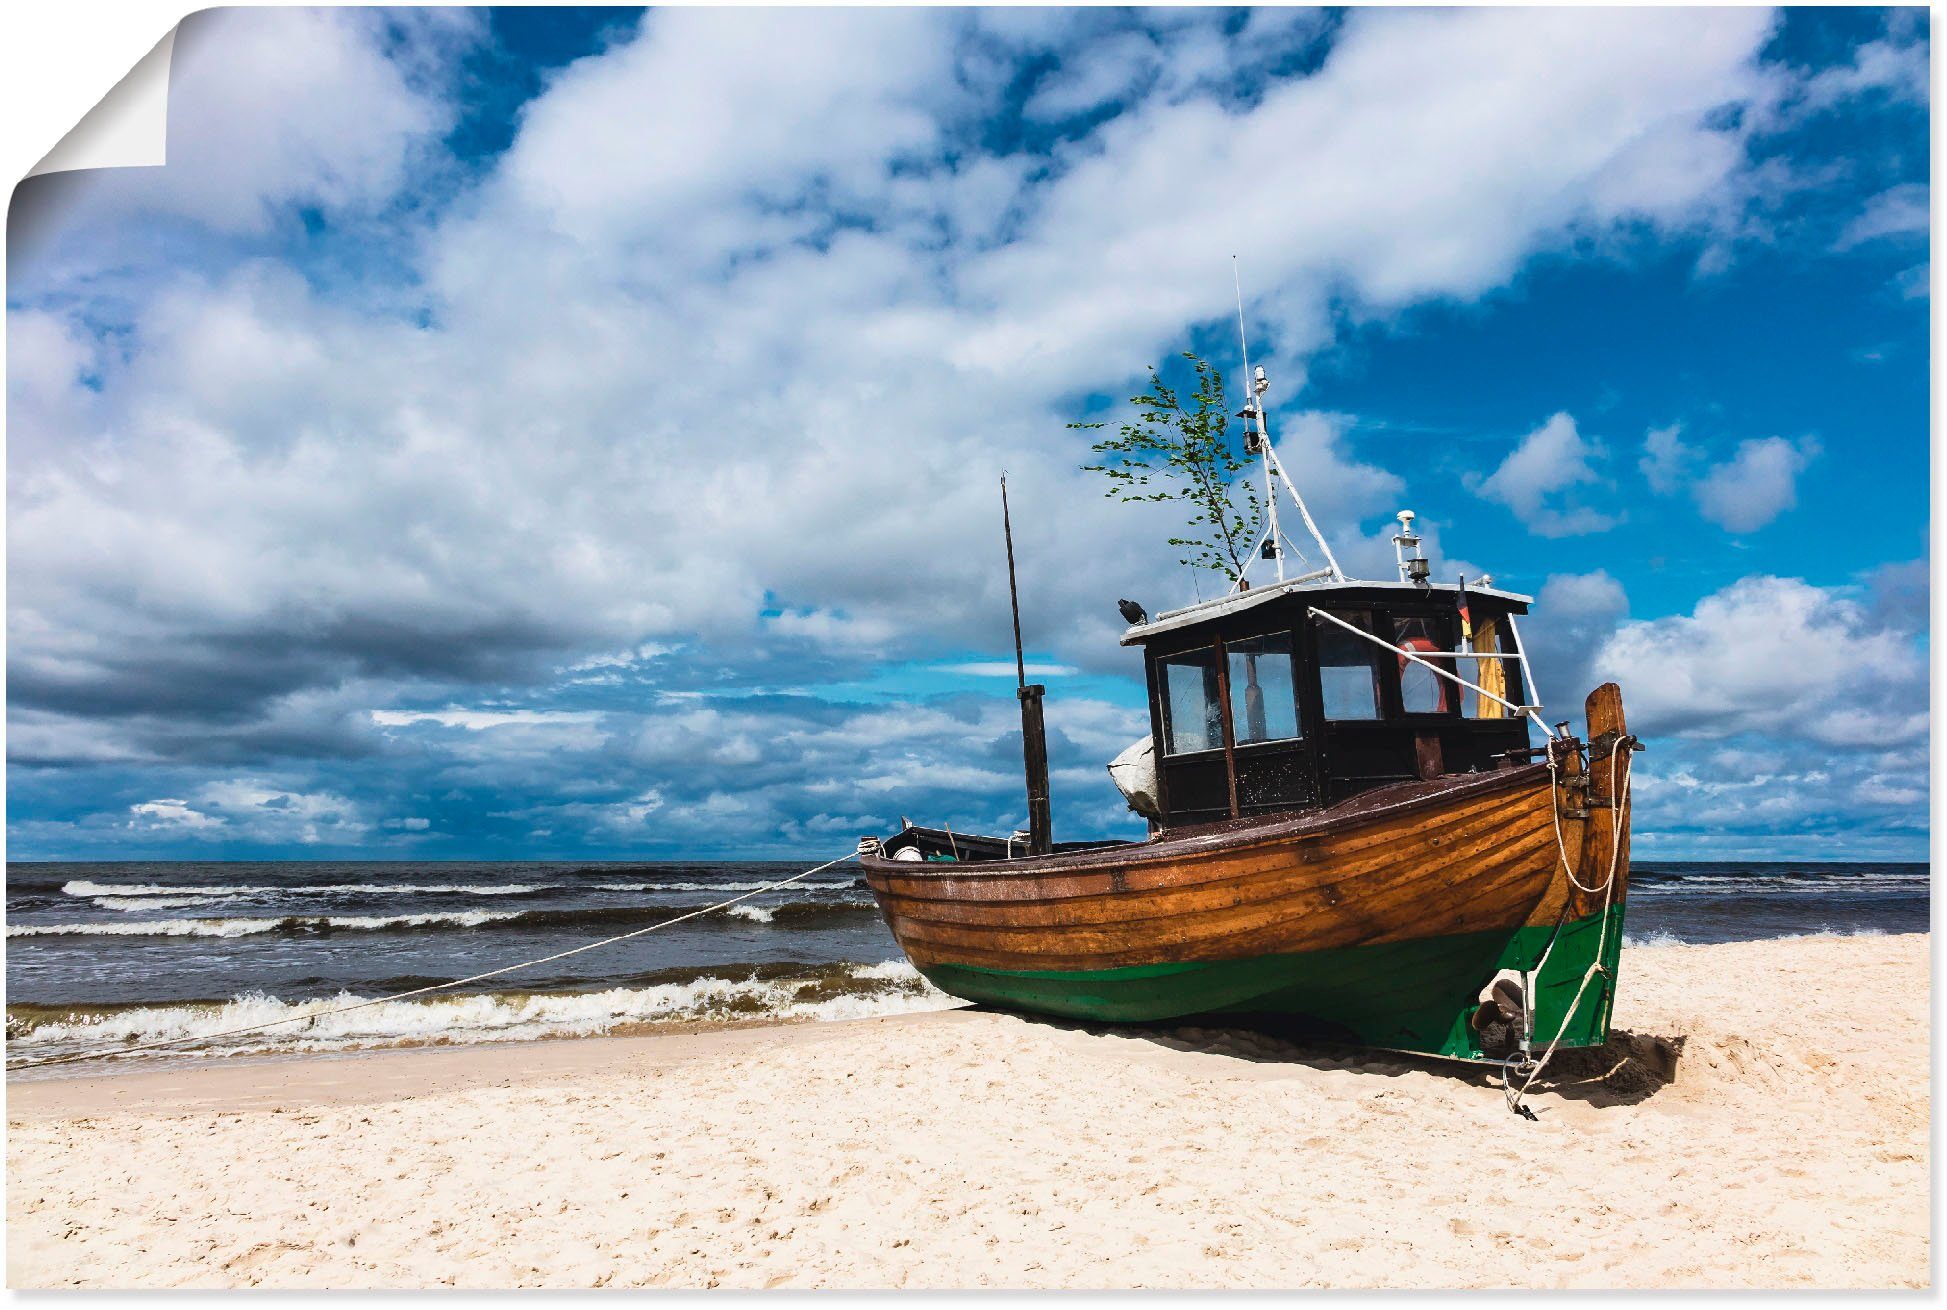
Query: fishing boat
[{"x": 1360, "y": 826}]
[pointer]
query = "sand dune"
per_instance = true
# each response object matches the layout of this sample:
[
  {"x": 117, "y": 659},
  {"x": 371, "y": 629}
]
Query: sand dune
[{"x": 975, "y": 1149}]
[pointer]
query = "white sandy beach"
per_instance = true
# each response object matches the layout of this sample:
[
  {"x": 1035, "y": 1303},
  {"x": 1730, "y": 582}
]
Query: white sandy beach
[{"x": 960, "y": 1149}]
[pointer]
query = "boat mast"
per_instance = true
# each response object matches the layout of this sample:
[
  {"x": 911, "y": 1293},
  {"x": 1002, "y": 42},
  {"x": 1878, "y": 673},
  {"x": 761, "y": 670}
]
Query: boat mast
[
  {"x": 1034, "y": 732},
  {"x": 1275, "y": 541},
  {"x": 1254, "y": 411}
]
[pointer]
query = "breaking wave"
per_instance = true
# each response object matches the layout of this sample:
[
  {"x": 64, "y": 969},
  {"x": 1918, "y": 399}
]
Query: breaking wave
[
  {"x": 1664, "y": 937},
  {"x": 252, "y": 927},
  {"x": 790, "y": 914},
  {"x": 82, "y": 887},
  {"x": 845, "y": 991}
]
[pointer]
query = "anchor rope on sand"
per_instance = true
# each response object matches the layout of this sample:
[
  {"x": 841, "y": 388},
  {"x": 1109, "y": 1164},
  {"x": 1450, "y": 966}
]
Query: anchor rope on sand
[
  {"x": 431, "y": 987},
  {"x": 1618, "y": 802}
]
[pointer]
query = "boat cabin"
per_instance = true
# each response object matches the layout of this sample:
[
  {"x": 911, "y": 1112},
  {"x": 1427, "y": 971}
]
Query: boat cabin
[{"x": 1299, "y": 695}]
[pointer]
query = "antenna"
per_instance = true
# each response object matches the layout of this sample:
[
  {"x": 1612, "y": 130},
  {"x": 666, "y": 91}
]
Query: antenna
[
  {"x": 1260, "y": 384},
  {"x": 1256, "y": 381},
  {"x": 1013, "y": 593},
  {"x": 1034, "y": 732}
]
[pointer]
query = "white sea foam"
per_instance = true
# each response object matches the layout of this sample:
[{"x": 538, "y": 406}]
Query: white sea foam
[
  {"x": 137, "y": 904},
  {"x": 251, "y": 927},
  {"x": 1664, "y": 937},
  {"x": 754, "y": 913},
  {"x": 82, "y": 887},
  {"x": 889, "y": 988}
]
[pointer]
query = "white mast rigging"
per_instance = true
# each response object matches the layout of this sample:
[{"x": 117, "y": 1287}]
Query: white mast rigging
[{"x": 1254, "y": 411}]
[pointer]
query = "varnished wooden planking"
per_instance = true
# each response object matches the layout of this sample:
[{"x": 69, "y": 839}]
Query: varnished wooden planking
[
  {"x": 1130, "y": 862},
  {"x": 1417, "y": 887},
  {"x": 1185, "y": 866},
  {"x": 1464, "y": 854},
  {"x": 1262, "y": 876},
  {"x": 1488, "y": 900},
  {"x": 1407, "y": 849}
]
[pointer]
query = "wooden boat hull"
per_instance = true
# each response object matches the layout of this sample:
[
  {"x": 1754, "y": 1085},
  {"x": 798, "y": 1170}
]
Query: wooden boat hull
[{"x": 1379, "y": 920}]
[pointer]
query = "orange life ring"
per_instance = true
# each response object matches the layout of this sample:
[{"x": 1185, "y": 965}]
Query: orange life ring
[{"x": 1421, "y": 645}]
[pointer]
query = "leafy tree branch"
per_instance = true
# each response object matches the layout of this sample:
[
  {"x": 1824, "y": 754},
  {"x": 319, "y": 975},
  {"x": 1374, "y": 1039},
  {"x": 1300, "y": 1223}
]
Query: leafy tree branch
[{"x": 1178, "y": 448}]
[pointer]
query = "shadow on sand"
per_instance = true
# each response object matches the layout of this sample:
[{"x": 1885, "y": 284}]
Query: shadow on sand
[{"x": 1628, "y": 1069}]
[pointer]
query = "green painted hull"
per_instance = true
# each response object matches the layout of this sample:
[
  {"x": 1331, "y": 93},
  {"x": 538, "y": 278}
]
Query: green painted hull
[{"x": 1415, "y": 995}]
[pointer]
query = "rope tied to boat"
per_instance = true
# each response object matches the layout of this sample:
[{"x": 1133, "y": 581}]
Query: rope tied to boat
[
  {"x": 1522, "y": 1064},
  {"x": 314, "y": 1016}
]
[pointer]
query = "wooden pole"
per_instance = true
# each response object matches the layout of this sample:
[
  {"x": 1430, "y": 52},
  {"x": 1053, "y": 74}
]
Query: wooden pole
[
  {"x": 1224, "y": 724},
  {"x": 1034, "y": 733}
]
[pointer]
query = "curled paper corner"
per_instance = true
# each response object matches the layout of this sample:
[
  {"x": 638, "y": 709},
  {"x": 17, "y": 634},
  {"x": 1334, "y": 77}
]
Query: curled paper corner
[{"x": 128, "y": 127}]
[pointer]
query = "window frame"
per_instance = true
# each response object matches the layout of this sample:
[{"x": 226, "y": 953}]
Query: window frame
[
  {"x": 1165, "y": 711},
  {"x": 1385, "y": 691},
  {"x": 1294, "y": 657},
  {"x": 1450, "y": 693}
]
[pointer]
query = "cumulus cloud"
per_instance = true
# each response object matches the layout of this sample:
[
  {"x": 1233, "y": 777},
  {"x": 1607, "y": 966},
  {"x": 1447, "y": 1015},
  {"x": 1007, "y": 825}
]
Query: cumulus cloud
[
  {"x": 1667, "y": 459},
  {"x": 1551, "y": 460},
  {"x": 1574, "y": 614},
  {"x": 269, "y": 111},
  {"x": 1775, "y": 656},
  {"x": 1113, "y": 69},
  {"x": 1777, "y": 707},
  {"x": 1757, "y": 484},
  {"x": 703, "y": 385}
]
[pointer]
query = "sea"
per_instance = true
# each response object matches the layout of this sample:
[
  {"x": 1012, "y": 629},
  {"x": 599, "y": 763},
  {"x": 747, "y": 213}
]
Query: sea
[{"x": 104, "y": 957}]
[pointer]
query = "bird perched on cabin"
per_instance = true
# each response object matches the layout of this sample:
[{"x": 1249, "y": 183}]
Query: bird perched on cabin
[{"x": 1132, "y": 612}]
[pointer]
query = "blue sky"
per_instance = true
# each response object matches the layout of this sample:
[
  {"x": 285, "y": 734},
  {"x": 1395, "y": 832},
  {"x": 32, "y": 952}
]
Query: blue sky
[{"x": 561, "y": 433}]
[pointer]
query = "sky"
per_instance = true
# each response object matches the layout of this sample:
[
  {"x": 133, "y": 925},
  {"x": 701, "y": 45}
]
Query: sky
[{"x": 555, "y": 433}]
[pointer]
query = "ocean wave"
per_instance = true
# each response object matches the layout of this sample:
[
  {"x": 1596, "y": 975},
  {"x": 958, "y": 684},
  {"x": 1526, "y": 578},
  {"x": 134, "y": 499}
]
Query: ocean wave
[
  {"x": 791, "y": 914},
  {"x": 139, "y": 904},
  {"x": 82, "y": 887},
  {"x": 1664, "y": 937},
  {"x": 846, "y": 991},
  {"x": 1786, "y": 878},
  {"x": 252, "y": 927}
]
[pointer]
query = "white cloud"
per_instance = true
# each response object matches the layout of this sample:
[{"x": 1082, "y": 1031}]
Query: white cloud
[
  {"x": 746, "y": 322},
  {"x": 1405, "y": 169},
  {"x": 1774, "y": 657},
  {"x": 1667, "y": 459},
  {"x": 1902, "y": 210},
  {"x": 1573, "y": 615},
  {"x": 1112, "y": 69},
  {"x": 1584, "y": 595},
  {"x": 1005, "y": 669},
  {"x": 269, "y": 109},
  {"x": 1552, "y": 459},
  {"x": 174, "y": 814},
  {"x": 710, "y": 110},
  {"x": 1755, "y": 485},
  {"x": 250, "y": 810},
  {"x": 1890, "y": 67},
  {"x": 1773, "y": 713},
  {"x": 476, "y": 720}
]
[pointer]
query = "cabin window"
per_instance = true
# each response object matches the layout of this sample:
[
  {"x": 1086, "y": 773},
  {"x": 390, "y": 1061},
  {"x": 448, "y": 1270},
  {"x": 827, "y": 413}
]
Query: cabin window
[
  {"x": 1348, "y": 671},
  {"x": 1421, "y": 690},
  {"x": 1263, "y": 700},
  {"x": 1191, "y": 706}
]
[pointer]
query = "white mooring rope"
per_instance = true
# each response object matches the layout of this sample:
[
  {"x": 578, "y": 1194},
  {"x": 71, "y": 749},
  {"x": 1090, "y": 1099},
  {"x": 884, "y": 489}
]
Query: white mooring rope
[
  {"x": 432, "y": 987},
  {"x": 1618, "y": 802}
]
